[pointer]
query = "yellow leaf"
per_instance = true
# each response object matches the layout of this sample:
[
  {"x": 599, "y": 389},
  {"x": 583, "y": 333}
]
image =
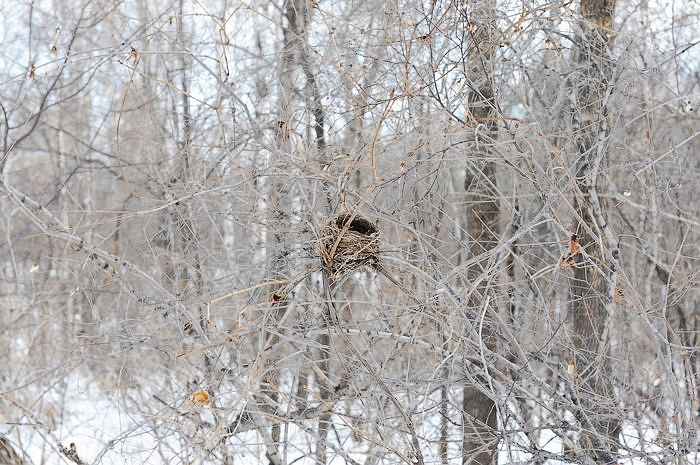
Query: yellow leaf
[{"x": 200, "y": 396}]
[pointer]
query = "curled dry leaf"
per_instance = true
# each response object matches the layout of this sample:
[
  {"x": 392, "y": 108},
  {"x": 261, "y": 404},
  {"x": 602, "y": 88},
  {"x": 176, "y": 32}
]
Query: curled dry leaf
[
  {"x": 573, "y": 245},
  {"x": 571, "y": 251},
  {"x": 200, "y": 396}
]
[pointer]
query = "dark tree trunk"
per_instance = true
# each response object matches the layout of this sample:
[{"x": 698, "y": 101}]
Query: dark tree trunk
[
  {"x": 479, "y": 444},
  {"x": 593, "y": 280}
]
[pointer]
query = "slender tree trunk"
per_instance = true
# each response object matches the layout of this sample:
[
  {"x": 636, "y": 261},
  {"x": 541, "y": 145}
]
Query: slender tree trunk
[
  {"x": 479, "y": 444},
  {"x": 278, "y": 195},
  {"x": 592, "y": 285}
]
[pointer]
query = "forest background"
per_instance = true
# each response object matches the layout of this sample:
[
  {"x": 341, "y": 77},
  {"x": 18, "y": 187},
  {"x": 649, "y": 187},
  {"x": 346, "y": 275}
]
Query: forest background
[{"x": 170, "y": 173}]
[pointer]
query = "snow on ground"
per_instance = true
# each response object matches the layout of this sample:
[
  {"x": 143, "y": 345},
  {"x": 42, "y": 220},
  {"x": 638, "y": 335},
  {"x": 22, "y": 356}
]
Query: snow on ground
[{"x": 105, "y": 431}]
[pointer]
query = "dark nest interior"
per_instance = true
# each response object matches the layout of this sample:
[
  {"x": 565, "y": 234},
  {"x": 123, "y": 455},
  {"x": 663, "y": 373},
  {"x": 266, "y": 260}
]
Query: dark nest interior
[{"x": 349, "y": 241}]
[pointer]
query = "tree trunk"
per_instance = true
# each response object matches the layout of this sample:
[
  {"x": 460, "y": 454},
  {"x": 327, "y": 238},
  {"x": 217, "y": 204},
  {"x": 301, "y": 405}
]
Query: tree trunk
[
  {"x": 479, "y": 444},
  {"x": 595, "y": 266}
]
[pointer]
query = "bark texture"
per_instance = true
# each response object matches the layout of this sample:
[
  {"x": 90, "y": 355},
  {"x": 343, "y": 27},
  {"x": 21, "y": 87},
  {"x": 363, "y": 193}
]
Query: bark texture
[
  {"x": 593, "y": 282},
  {"x": 480, "y": 444}
]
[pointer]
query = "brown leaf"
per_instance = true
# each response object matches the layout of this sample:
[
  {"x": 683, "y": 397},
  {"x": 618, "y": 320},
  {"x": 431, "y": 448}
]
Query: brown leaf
[
  {"x": 573, "y": 245},
  {"x": 200, "y": 396},
  {"x": 571, "y": 251},
  {"x": 619, "y": 294}
]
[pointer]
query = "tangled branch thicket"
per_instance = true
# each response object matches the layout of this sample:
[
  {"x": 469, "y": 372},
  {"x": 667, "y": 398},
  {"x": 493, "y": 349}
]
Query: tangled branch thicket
[{"x": 495, "y": 200}]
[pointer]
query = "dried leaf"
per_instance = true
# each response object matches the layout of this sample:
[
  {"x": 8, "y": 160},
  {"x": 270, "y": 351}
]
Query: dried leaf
[
  {"x": 200, "y": 396},
  {"x": 573, "y": 245},
  {"x": 571, "y": 251},
  {"x": 619, "y": 294}
]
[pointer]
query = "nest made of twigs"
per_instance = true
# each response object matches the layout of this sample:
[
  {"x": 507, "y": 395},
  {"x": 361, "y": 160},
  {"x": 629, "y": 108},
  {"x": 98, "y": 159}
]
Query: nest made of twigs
[{"x": 349, "y": 241}]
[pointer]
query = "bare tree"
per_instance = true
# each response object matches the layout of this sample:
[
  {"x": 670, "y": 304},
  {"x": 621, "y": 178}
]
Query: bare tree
[
  {"x": 482, "y": 218},
  {"x": 594, "y": 246},
  {"x": 300, "y": 232}
]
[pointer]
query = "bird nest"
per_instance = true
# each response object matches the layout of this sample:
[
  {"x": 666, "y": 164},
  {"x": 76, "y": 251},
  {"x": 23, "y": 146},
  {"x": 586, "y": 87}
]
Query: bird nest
[{"x": 348, "y": 242}]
